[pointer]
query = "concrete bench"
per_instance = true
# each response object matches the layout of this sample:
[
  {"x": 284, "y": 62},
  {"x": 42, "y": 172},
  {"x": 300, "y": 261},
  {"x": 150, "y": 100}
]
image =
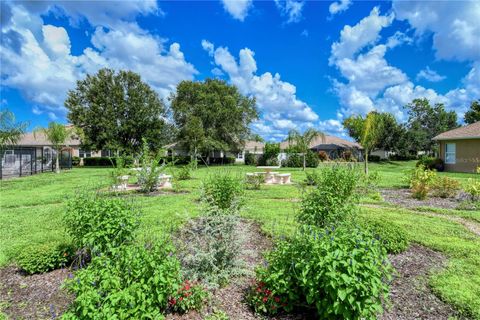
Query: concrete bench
[
  {"x": 164, "y": 181},
  {"x": 282, "y": 178}
]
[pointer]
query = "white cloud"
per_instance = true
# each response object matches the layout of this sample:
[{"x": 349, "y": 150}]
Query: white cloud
[
  {"x": 276, "y": 99},
  {"x": 237, "y": 8},
  {"x": 455, "y": 26},
  {"x": 208, "y": 46},
  {"x": 371, "y": 83},
  {"x": 304, "y": 33},
  {"x": 292, "y": 9},
  {"x": 339, "y": 6},
  {"x": 217, "y": 72},
  {"x": 332, "y": 127},
  {"x": 366, "y": 32},
  {"x": 42, "y": 67},
  {"x": 429, "y": 75}
]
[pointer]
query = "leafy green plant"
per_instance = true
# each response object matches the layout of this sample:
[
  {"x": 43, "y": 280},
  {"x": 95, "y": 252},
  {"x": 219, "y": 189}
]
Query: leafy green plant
[
  {"x": 311, "y": 178},
  {"x": 332, "y": 200},
  {"x": 392, "y": 237},
  {"x": 445, "y": 187},
  {"x": 217, "y": 315},
  {"x": 185, "y": 172},
  {"x": 341, "y": 272},
  {"x": 472, "y": 188},
  {"x": 421, "y": 180},
  {"x": 431, "y": 163},
  {"x": 46, "y": 257},
  {"x": 148, "y": 176},
  {"x": 190, "y": 296},
  {"x": 136, "y": 282},
  {"x": 99, "y": 224},
  {"x": 254, "y": 182},
  {"x": 119, "y": 170},
  {"x": 223, "y": 191},
  {"x": 210, "y": 249}
]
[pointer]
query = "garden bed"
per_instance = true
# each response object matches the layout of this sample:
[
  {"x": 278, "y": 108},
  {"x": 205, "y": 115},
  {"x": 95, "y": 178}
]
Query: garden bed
[
  {"x": 37, "y": 296},
  {"x": 410, "y": 295},
  {"x": 403, "y": 198}
]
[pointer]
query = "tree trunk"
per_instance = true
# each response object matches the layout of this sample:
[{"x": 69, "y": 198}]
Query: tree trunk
[
  {"x": 57, "y": 163},
  {"x": 366, "y": 162},
  {"x": 304, "y": 161},
  {"x": 195, "y": 158}
]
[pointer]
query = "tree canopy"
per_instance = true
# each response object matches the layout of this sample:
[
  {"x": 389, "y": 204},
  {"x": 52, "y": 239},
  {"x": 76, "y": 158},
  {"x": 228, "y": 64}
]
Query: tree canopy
[
  {"x": 302, "y": 141},
  {"x": 116, "y": 110},
  {"x": 367, "y": 131},
  {"x": 215, "y": 113},
  {"x": 425, "y": 122},
  {"x": 473, "y": 115}
]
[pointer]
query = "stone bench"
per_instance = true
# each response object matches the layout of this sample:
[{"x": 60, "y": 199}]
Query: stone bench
[
  {"x": 164, "y": 181},
  {"x": 282, "y": 178}
]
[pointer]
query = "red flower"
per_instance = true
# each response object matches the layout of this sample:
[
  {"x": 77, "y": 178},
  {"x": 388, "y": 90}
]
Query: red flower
[
  {"x": 265, "y": 299},
  {"x": 172, "y": 301},
  {"x": 277, "y": 299},
  {"x": 180, "y": 299},
  {"x": 267, "y": 292},
  {"x": 261, "y": 284},
  {"x": 259, "y": 289}
]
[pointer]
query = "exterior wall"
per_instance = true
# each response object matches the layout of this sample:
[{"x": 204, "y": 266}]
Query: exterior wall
[{"x": 467, "y": 155}]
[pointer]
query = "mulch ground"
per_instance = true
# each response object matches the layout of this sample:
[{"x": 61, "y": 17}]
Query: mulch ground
[
  {"x": 33, "y": 297},
  {"x": 410, "y": 295},
  {"x": 40, "y": 296},
  {"x": 403, "y": 198}
]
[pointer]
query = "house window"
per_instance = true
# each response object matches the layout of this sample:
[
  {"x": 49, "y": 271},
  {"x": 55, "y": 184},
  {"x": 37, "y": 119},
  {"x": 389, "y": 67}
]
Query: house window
[
  {"x": 85, "y": 153},
  {"x": 450, "y": 153},
  {"x": 240, "y": 155},
  {"x": 9, "y": 157},
  {"x": 107, "y": 153}
]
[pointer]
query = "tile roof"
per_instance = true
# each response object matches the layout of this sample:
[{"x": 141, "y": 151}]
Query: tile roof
[
  {"x": 471, "y": 131},
  {"x": 331, "y": 141},
  {"x": 30, "y": 139}
]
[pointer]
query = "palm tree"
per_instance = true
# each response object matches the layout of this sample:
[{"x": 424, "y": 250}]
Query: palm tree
[
  {"x": 302, "y": 141},
  {"x": 10, "y": 131},
  {"x": 56, "y": 134}
]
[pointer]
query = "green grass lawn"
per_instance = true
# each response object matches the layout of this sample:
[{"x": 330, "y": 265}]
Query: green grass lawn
[{"x": 32, "y": 207}]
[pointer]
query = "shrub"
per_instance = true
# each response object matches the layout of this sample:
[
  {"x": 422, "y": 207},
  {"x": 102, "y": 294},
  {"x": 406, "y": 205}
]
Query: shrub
[
  {"x": 311, "y": 178},
  {"x": 431, "y": 163},
  {"x": 392, "y": 237},
  {"x": 136, "y": 282},
  {"x": 75, "y": 161},
  {"x": 374, "y": 158},
  {"x": 190, "y": 296},
  {"x": 323, "y": 156},
  {"x": 185, "y": 172},
  {"x": 341, "y": 272},
  {"x": 223, "y": 191},
  {"x": 294, "y": 160},
  {"x": 254, "y": 182},
  {"x": 402, "y": 157},
  {"x": 311, "y": 159},
  {"x": 211, "y": 249},
  {"x": 151, "y": 168},
  {"x": 472, "y": 188},
  {"x": 333, "y": 200},
  {"x": 347, "y": 155},
  {"x": 100, "y": 224},
  {"x": 421, "y": 180},
  {"x": 251, "y": 159},
  {"x": 45, "y": 257},
  {"x": 105, "y": 161},
  {"x": 118, "y": 171},
  {"x": 445, "y": 187}
]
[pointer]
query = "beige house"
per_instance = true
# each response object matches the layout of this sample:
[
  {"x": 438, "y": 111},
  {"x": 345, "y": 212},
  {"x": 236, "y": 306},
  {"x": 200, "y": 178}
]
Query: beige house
[{"x": 460, "y": 148}]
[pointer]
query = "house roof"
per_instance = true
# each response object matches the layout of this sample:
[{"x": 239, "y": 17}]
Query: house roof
[
  {"x": 31, "y": 139},
  {"x": 328, "y": 142},
  {"x": 471, "y": 131}
]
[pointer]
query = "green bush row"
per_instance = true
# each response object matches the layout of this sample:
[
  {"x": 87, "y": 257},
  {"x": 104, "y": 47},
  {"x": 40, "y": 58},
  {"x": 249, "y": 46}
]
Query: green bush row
[{"x": 45, "y": 257}]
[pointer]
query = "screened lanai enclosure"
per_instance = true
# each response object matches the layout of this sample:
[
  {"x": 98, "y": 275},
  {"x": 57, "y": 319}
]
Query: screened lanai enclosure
[{"x": 25, "y": 161}]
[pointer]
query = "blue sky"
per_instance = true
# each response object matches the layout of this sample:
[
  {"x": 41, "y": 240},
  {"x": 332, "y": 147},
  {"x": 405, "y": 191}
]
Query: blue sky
[{"x": 308, "y": 63}]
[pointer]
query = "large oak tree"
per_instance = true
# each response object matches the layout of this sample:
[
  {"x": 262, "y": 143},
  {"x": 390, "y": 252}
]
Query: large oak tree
[
  {"x": 211, "y": 115},
  {"x": 116, "y": 110}
]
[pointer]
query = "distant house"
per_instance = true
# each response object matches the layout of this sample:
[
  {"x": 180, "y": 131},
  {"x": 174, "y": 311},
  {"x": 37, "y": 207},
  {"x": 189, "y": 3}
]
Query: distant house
[
  {"x": 333, "y": 146},
  {"x": 460, "y": 148}
]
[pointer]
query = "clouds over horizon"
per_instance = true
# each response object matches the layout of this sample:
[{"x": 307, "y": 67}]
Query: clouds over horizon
[
  {"x": 37, "y": 58},
  {"x": 369, "y": 82},
  {"x": 276, "y": 99}
]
